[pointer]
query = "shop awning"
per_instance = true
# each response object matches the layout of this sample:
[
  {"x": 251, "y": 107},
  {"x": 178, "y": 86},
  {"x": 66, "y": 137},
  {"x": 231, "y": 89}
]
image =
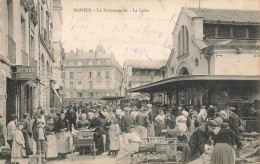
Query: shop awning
[
  {"x": 113, "y": 97},
  {"x": 57, "y": 94},
  {"x": 166, "y": 84}
]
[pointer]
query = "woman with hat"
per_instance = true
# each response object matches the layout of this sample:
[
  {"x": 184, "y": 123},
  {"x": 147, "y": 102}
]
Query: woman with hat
[
  {"x": 62, "y": 127},
  {"x": 181, "y": 121},
  {"x": 51, "y": 151},
  {"x": 224, "y": 143}
]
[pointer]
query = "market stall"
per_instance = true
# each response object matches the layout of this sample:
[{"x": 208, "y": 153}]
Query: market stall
[{"x": 84, "y": 139}]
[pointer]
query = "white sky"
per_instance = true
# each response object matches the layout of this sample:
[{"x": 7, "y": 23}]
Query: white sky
[{"x": 131, "y": 35}]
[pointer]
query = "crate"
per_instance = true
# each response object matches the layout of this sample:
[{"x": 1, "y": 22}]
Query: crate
[
  {"x": 156, "y": 139},
  {"x": 163, "y": 148},
  {"x": 147, "y": 148}
]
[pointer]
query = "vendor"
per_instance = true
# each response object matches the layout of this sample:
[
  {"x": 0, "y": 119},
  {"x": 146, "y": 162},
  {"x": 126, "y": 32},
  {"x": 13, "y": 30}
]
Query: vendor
[
  {"x": 225, "y": 141},
  {"x": 83, "y": 122},
  {"x": 197, "y": 141},
  {"x": 96, "y": 124}
]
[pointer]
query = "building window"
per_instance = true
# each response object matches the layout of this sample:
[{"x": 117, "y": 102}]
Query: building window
[
  {"x": 79, "y": 94},
  {"x": 224, "y": 31},
  {"x": 63, "y": 75},
  {"x": 183, "y": 42},
  {"x": 71, "y": 95},
  {"x": 90, "y": 85},
  {"x": 90, "y": 75},
  {"x": 107, "y": 84},
  {"x": 79, "y": 75},
  {"x": 99, "y": 74},
  {"x": 71, "y": 75},
  {"x": 23, "y": 25},
  {"x": 79, "y": 84},
  {"x": 107, "y": 94},
  {"x": 71, "y": 63},
  {"x": 172, "y": 70},
  {"x": 254, "y": 32},
  {"x": 98, "y": 62},
  {"x": 79, "y": 63},
  {"x": 136, "y": 72},
  {"x": 90, "y": 62},
  {"x": 108, "y": 62},
  {"x": 32, "y": 49},
  {"x": 107, "y": 74},
  {"x": 71, "y": 85},
  {"x": 98, "y": 84},
  {"x": 209, "y": 31},
  {"x": 90, "y": 94},
  {"x": 99, "y": 94},
  {"x": 239, "y": 31},
  {"x": 196, "y": 62},
  {"x": 10, "y": 18}
]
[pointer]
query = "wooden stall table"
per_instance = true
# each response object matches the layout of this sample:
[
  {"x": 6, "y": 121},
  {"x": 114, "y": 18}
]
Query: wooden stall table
[{"x": 84, "y": 138}]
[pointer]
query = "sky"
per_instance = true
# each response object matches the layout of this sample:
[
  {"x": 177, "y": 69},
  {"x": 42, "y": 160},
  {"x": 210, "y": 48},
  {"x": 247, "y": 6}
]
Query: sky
[{"x": 143, "y": 32}]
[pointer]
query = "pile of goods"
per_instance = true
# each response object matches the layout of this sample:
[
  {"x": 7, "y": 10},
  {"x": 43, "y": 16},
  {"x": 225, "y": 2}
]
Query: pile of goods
[
  {"x": 158, "y": 149},
  {"x": 250, "y": 151},
  {"x": 205, "y": 157}
]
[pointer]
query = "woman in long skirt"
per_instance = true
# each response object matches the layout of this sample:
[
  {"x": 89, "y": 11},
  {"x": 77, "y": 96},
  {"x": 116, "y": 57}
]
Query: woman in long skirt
[
  {"x": 114, "y": 132},
  {"x": 62, "y": 126},
  {"x": 51, "y": 140},
  {"x": 18, "y": 144},
  {"x": 224, "y": 141}
]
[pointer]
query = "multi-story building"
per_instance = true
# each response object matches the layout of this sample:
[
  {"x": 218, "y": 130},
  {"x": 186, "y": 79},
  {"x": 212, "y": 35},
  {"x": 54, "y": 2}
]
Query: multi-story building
[
  {"x": 215, "y": 60},
  {"x": 89, "y": 76},
  {"x": 59, "y": 54},
  {"x": 26, "y": 56},
  {"x": 141, "y": 72}
]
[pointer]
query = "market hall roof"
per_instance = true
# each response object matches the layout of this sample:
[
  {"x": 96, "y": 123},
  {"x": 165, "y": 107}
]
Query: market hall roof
[
  {"x": 225, "y": 15},
  {"x": 145, "y": 64},
  {"x": 164, "y": 85}
]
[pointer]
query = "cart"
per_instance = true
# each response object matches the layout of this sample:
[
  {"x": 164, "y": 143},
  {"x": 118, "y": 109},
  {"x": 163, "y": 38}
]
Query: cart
[{"x": 84, "y": 138}]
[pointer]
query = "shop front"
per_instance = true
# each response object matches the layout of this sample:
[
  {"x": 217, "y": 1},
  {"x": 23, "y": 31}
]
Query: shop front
[{"x": 20, "y": 91}]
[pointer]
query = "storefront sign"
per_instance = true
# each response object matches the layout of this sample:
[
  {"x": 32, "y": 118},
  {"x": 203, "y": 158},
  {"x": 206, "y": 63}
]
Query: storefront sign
[{"x": 24, "y": 73}]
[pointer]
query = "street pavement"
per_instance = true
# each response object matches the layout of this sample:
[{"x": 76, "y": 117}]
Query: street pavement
[{"x": 86, "y": 159}]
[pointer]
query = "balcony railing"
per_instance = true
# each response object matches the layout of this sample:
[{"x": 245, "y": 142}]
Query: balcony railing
[
  {"x": 24, "y": 58},
  {"x": 33, "y": 63},
  {"x": 11, "y": 49}
]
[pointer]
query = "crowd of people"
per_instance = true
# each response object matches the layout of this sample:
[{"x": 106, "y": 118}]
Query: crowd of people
[{"x": 118, "y": 130}]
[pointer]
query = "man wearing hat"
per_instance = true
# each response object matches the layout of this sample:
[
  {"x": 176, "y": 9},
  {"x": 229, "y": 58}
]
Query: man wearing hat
[
  {"x": 234, "y": 121},
  {"x": 11, "y": 129},
  {"x": 142, "y": 122},
  {"x": 198, "y": 139}
]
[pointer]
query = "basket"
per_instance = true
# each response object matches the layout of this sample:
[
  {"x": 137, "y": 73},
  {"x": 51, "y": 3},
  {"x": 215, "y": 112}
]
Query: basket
[
  {"x": 156, "y": 139},
  {"x": 147, "y": 148},
  {"x": 163, "y": 148},
  {"x": 173, "y": 133}
]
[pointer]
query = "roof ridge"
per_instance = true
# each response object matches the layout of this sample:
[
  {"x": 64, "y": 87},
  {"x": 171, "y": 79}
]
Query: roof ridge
[{"x": 232, "y": 10}]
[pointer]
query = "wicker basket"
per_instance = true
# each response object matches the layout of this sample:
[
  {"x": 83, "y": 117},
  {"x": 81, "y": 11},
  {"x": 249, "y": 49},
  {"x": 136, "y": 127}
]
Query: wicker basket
[{"x": 163, "y": 148}]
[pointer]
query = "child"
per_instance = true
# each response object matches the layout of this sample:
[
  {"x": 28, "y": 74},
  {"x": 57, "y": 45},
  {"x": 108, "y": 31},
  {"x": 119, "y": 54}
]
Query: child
[
  {"x": 160, "y": 122},
  {"x": 39, "y": 135},
  {"x": 18, "y": 144},
  {"x": 51, "y": 151},
  {"x": 114, "y": 132}
]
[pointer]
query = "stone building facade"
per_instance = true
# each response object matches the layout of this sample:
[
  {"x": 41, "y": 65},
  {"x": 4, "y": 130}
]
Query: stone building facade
[
  {"x": 89, "y": 76},
  {"x": 26, "y": 56}
]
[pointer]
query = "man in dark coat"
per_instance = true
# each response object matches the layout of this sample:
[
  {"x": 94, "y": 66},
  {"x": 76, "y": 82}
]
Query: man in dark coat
[
  {"x": 169, "y": 120},
  {"x": 127, "y": 122},
  {"x": 96, "y": 124},
  {"x": 234, "y": 121},
  {"x": 71, "y": 116}
]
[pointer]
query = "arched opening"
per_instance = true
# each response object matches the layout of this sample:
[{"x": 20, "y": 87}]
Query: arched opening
[
  {"x": 48, "y": 69},
  {"x": 42, "y": 64},
  {"x": 184, "y": 71}
]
